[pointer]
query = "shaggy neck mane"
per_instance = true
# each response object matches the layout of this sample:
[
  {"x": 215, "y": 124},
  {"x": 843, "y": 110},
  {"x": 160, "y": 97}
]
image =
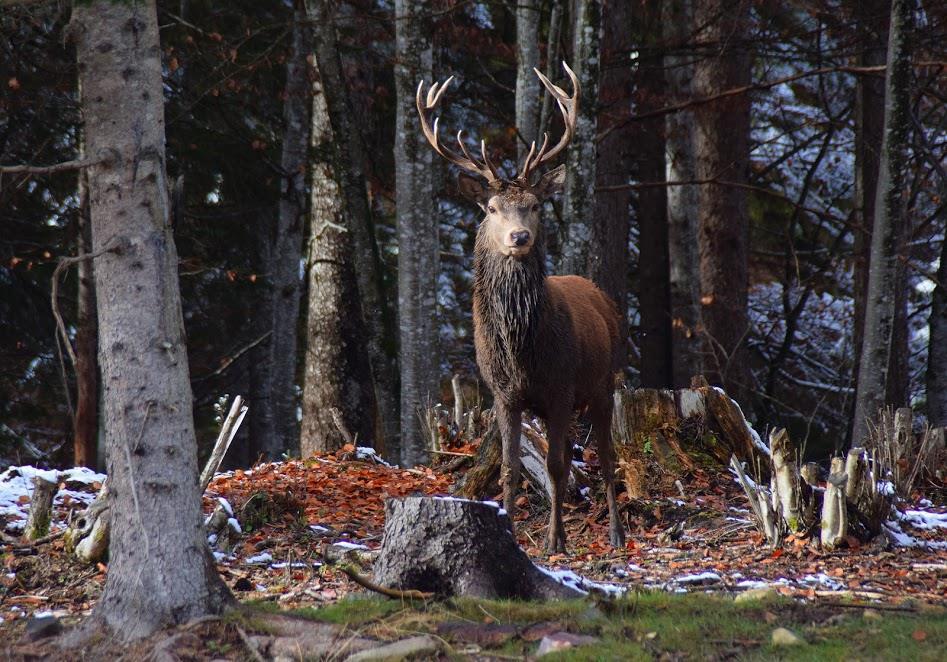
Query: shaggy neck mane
[{"x": 510, "y": 294}]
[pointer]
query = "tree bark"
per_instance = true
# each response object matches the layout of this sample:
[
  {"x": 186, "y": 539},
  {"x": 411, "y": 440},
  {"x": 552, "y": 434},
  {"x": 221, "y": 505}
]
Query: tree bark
[
  {"x": 86, "y": 423},
  {"x": 337, "y": 374},
  {"x": 881, "y": 305},
  {"x": 527, "y": 83},
  {"x": 418, "y": 243},
  {"x": 160, "y": 570},
  {"x": 653, "y": 269},
  {"x": 287, "y": 246},
  {"x": 579, "y": 254},
  {"x": 937, "y": 346},
  {"x": 722, "y": 131},
  {"x": 453, "y": 547},
  {"x": 682, "y": 201},
  {"x": 613, "y": 208},
  {"x": 377, "y": 309}
]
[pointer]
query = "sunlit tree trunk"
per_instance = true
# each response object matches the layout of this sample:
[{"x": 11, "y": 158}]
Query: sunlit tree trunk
[
  {"x": 417, "y": 230},
  {"x": 881, "y": 304},
  {"x": 527, "y": 83},
  {"x": 160, "y": 570},
  {"x": 721, "y": 140},
  {"x": 682, "y": 201},
  {"x": 337, "y": 370}
]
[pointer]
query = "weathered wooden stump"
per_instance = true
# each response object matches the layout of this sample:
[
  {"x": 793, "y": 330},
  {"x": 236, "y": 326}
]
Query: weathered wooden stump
[
  {"x": 41, "y": 507},
  {"x": 450, "y": 547}
]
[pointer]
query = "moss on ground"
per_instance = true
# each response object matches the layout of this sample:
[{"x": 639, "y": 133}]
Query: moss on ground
[{"x": 651, "y": 624}]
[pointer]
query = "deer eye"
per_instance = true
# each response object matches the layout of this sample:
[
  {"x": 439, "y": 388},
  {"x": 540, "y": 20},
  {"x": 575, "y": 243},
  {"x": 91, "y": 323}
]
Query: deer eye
[{"x": 492, "y": 210}]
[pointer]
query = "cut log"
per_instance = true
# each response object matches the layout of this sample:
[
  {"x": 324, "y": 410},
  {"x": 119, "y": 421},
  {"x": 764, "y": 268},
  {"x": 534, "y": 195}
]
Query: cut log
[
  {"x": 834, "y": 509},
  {"x": 785, "y": 481},
  {"x": 41, "y": 508},
  {"x": 456, "y": 547}
]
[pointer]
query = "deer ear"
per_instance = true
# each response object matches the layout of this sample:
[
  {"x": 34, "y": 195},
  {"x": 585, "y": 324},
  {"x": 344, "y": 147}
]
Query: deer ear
[
  {"x": 551, "y": 182},
  {"x": 472, "y": 188}
]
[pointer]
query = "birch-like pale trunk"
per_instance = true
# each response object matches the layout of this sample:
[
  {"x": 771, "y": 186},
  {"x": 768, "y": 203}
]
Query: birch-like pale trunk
[
  {"x": 528, "y": 92},
  {"x": 579, "y": 255},
  {"x": 880, "y": 309},
  {"x": 418, "y": 243},
  {"x": 721, "y": 140},
  {"x": 377, "y": 307},
  {"x": 337, "y": 370},
  {"x": 161, "y": 573},
  {"x": 682, "y": 201}
]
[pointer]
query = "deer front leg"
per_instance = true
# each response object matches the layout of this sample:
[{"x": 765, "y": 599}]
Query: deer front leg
[
  {"x": 602, "y": 429},
  {"x": 558, "y": 465},
  {"x": 510, "y": 421}
]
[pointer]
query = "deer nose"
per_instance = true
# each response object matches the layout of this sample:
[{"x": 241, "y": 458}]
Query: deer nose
[{"x": 520, "y": 238}]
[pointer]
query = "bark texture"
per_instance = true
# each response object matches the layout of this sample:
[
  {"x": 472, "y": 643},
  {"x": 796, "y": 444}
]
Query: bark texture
[
  {"x": 937, "y": 348},
  {"x": 160, "y": 570},
  {"x": 654, "y": 294},
  {"x": 613, "y": 208},
  {"x": 682, "y": 201},
  {"x": 337, "y": 374},
  {"x": 579, "y": 254},
  {"x": 721, "y": 139},
  {"x": 377, "y": 307},
  {"x": 287, "y": 249},
  {"x": 417, "y": 230},
  {"x": 527, "y": 83},
  {"x": 456, "y": 547},
  {"x": 880, "y": 310},
  {"x": 86, "y": 423}
]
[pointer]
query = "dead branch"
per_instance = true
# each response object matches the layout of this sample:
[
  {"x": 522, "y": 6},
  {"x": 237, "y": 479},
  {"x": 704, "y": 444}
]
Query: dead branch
[{"x": 365, "y": 582}]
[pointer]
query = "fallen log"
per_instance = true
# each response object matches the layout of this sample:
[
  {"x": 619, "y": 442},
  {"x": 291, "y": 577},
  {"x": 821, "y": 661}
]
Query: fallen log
[{"x": 456, "y": 547}]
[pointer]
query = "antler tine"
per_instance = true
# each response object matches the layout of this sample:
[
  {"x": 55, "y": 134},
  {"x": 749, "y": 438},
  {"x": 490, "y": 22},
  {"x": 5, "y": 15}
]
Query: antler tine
[
  {"x": 529, "y": 163},
  {"x": 569, "y": 107},
  {"x": 427, "y": 104}
]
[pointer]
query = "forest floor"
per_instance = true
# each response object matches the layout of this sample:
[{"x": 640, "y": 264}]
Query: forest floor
[{"x": 691, "y": 550}]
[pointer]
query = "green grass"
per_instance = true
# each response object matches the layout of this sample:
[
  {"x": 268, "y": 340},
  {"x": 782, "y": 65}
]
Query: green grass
[{"x": 645, "y": 626}]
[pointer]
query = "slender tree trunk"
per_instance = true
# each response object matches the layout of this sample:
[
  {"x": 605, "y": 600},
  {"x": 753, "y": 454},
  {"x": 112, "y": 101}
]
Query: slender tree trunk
[
  {"x": 86, "y": 424},
  {"x": 613, "y": 208},
  {"x": 873, "y": 17},
  {"x": 160, "y": 569},
  {"x": 721, "y": 139},
  {"x": 287, "y": 247},
  {"x": 881, "y": 305},
  {"x": 579, "y": 255},
  {"x": 377, "y": 308},
  {"x": 338, "y": 374},
  {"x": 262, "y": 433},
  {"x": 654, "y": 297},
  {"x": 682, "y": 201},
  {"x": 937, "y": 347},
  {"x": 418, "y": 243},
  {"x": 527, "y": 83}
]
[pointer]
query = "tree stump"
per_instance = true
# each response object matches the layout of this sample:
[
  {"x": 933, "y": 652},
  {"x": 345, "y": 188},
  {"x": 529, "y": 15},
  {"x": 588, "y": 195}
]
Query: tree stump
[
  {"x": 451, "y": 547},
  {"x": 41, "y": 507}
]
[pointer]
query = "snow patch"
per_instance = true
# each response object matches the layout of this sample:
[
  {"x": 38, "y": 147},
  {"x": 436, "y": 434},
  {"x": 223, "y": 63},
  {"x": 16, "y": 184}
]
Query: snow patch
[
  {"x": 259, "y": 559},
  {"x": 344, "y": 544},
  {"x": 568, "y": 578},
  {"x": 368, "y": 453}
]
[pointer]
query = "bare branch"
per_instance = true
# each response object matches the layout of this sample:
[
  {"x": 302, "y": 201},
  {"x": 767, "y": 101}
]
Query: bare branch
[{"x": 76, "y": 164}]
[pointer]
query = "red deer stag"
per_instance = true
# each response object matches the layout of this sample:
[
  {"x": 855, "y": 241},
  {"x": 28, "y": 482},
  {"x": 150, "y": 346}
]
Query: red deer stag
[{"x": 545, "y": 343}]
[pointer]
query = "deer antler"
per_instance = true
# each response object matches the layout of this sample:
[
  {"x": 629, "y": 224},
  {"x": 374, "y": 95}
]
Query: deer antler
[
  {"x": 569, "y": 107},
  {"x": 426, "y": 106}
]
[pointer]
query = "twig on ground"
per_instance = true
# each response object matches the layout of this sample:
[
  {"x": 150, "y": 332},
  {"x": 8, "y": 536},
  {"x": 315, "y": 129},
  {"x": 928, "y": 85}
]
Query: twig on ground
[{"x": 365, "y": 582}]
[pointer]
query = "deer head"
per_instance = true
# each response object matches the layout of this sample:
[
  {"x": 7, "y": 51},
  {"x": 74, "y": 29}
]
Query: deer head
[{"x": 512, "y": 206}]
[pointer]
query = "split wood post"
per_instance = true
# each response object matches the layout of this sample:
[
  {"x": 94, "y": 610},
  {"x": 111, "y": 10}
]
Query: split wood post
[
  {"x": 41, "y": 508},
  {"x": 785, "y": 482},
  {"x": 458, "y": 402},
  {"x": 228, "y": 430},
  {"x": 760, "y": 504},
  {"x": 834, "y": 508}
]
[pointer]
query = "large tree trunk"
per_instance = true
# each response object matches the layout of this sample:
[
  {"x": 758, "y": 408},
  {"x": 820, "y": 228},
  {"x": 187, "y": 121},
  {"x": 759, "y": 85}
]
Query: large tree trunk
[
  {"x": 579, "y": 255},
  {"x": 450, "y": 547},
  {"x": 338, "y": 374},
  {"x": 682, "y": 201},
  {"x": 873, "y": 17},
  {"x": 160, "y": 570},
  {"x": 418, "y": 243},
  {"x": 722, "y": 133},
  {"x": 86, "y": 423},
  {"x": 881, "y": 305},
  {"x": 616, "y": 149},
  {"x": 527, "y": 83},
  {"x": 287, "y": 247},
  {"x": 377, "y": 308},
  {"x": 653, "y": 270}
]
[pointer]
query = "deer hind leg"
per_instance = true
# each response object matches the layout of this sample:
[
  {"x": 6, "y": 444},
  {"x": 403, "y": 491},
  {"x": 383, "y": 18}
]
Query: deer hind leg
[
  {"x": 510, "y": 421},
  {"x": 558, "y": 464},
  {"x": 602, "y": 429}
]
